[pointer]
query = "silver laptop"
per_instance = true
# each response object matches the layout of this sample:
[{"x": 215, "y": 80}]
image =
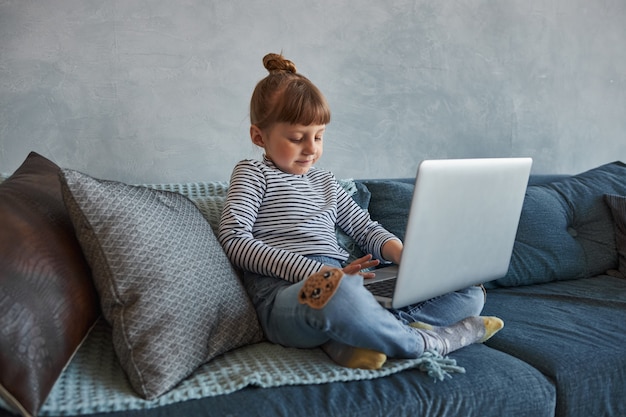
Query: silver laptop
[{"x": 461, "y": 228}]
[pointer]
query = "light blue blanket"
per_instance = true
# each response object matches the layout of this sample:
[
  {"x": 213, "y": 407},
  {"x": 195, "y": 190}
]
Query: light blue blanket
[{"x": 94, "y": 382}]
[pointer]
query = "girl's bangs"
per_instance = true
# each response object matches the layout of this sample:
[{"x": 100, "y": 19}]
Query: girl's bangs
[{"x": 304, "y": 106}]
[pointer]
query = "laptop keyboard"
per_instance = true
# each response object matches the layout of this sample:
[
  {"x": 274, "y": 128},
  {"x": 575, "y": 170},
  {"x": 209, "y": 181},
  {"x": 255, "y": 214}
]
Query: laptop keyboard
[{"x": 382, "y": 288}]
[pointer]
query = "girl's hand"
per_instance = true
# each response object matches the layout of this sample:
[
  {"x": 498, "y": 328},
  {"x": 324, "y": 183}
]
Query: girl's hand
[{"x": 356, "y": 266}]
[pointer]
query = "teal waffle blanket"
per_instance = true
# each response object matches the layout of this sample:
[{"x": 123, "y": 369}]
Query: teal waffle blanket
[{"x": 94, "y": 382}]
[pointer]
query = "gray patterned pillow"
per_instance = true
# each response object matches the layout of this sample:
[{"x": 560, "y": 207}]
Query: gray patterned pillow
[{"x": 165, "y": 285}]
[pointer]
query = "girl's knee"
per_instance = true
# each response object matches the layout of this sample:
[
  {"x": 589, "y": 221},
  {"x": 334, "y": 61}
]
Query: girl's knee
[{"x": 350, "y": 299}]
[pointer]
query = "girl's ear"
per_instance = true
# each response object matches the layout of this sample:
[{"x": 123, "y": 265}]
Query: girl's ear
[{"x": 256, "y": 135}]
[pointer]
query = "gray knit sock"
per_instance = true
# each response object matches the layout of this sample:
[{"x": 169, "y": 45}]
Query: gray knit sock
[{"x": 447, "y": 339}]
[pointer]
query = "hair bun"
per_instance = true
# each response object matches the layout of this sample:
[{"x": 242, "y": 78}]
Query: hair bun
[{"x": 277, "y": 63}]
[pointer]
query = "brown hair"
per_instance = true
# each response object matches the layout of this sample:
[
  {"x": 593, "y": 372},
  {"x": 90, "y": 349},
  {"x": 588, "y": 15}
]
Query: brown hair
[{"x": 286, "y": 96}]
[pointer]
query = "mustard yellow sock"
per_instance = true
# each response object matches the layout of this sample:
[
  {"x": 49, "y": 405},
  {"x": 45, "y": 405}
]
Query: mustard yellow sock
[
  {"x": 492, "y": 326},
  {"x": 354, "y": 357}
]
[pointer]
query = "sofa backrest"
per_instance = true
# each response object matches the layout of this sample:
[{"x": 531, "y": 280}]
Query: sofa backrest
[
  {"x": 565, "y": 232},
  {"x": 566, "y": 229}
]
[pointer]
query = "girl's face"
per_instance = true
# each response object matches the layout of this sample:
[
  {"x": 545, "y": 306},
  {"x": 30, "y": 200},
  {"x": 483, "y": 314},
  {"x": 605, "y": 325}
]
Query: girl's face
[{"x": 293, "y": 148}]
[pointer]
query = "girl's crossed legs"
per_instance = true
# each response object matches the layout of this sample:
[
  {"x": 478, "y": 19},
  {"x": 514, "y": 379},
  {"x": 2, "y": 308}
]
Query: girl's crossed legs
[{"x": 353, "y": 318}]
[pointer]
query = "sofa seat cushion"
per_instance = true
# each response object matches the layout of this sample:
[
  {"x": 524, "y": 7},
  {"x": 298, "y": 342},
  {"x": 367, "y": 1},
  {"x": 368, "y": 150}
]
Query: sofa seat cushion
[
  {"x": 572, "y": 331},
  {"x": 494, "y": 384}
]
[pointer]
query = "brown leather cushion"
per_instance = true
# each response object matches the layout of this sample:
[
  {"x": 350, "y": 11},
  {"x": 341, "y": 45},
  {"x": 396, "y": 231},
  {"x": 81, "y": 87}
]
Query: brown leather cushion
[{"x": 47, "y": 299}]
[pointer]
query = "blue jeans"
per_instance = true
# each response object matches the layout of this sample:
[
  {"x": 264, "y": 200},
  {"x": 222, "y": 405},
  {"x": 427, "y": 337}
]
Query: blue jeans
[{"x": 352, "y": 316}]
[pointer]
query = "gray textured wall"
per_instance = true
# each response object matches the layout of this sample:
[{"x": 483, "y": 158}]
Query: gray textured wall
[{"x": 157, "y": 91}]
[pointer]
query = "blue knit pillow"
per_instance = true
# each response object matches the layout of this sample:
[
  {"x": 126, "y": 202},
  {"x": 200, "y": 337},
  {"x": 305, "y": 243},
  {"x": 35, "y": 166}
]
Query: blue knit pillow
[{"x": 566, "y": 229}]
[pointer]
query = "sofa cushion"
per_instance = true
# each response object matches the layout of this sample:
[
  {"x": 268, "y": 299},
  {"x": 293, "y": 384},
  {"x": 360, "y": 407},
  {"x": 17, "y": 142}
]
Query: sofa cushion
[
  {"x": 566, "y": 229},
  {"x": 618, "y": 209},
  {"x": 573, "y": 332},
  {"x": 47, "y": 299},
  {"x": 165, "y": 285},
  {"x": 389, "y": 204},
  {"x": 495, "y": 384}
]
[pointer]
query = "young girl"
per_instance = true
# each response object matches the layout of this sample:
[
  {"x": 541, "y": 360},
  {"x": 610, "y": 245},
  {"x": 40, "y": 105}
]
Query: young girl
[{"x": 278, "y": 226}]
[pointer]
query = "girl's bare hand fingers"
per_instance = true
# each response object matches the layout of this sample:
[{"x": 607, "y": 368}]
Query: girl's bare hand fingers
[
  {"x": 352, "y": 269},
  {"x": 368, "y": 275},
  {"x": 370, "y": 264},
  {"x": 363, "y": 259}
]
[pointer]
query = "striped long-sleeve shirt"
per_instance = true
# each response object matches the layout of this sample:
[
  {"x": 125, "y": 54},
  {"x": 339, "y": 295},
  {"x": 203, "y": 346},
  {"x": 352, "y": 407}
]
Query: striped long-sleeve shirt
[{"x": 272, "y": 220}]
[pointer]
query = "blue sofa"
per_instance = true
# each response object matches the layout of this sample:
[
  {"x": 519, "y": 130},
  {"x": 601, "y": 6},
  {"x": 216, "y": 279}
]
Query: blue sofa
[
  {"x": 561, "y": 353},
  {"x": 563, "y": 299}
]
